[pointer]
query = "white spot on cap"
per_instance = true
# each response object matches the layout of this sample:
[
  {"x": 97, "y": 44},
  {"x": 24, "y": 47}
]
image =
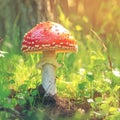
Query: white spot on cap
[
  {"x": 25, "y": 34},
  {"x": 33, "y": 36},
  {"x": 39, "y": 48},
  {"x": 66, "y": 43},
  {"x": 24, "y": 46},
  {"x": 45, "y": 45},
  {"x": 32, "y": 48},
  {"x": 36, "y": 46},
  {"x": 29, "y": 47},
  {"x": 66, "y": 47},
  {"x": 53, "y": 43},
  {"x": 42, "y": 45},
  {"x": 36, "y": 40},
  {"x": 56, "y": 45},
  {"x": 27, "y": 37},
  {"x": 71, "y": 45}
]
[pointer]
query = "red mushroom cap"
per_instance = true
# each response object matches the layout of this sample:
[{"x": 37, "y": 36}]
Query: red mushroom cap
[{"x": 48, "y": 36}]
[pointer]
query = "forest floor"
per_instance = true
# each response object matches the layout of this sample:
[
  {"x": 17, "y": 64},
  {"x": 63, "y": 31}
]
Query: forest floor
[{"x": 53, "y": 108}]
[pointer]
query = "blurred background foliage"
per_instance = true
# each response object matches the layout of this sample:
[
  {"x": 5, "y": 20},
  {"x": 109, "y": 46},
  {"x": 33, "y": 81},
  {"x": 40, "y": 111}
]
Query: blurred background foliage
[
  {"x": 18, "y": 16},
  {"x": 87, "y": 20},
  {"x": 95, "y": 24}
]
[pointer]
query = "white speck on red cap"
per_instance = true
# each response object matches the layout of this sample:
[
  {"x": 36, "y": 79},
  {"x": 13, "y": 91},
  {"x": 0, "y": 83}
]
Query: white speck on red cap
[{"x": 47, "y": 36}]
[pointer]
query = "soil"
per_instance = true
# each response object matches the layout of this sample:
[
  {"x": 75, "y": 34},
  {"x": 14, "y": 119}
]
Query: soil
[
  {"x": 56, "y": 107},
  {"x": 53, "y": 106}
]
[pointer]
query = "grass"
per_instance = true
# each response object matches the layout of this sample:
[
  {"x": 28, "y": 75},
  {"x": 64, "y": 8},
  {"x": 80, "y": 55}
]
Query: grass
[{"x": 87, "y": 74}]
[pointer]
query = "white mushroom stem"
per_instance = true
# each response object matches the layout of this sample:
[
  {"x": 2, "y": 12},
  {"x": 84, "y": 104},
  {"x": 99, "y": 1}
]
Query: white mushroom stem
[
  {"x": 48, "y": 65},
  {"x": 48, "y": 79}
]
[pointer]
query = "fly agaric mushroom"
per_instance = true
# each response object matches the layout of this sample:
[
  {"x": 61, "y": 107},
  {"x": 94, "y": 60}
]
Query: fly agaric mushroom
[{"x": 49, "y": 38}]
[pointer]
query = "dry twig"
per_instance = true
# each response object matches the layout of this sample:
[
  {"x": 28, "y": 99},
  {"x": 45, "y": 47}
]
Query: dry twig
[{"x": 105, "y": 48}]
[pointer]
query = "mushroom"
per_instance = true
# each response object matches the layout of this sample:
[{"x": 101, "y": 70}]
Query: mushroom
[{"x": 49, "y": 38}]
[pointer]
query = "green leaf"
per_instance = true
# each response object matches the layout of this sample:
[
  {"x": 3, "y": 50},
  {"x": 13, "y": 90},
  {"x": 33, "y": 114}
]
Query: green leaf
[
  {"x": 90, "y": 76},
  {"x": 22, "y": 101},
  {"x": 12, "y": 81},
  {"x": 82, "y": 85},
  {"x": 105, "y": 108},
  {"x": 23, "y": 87},
  {"x": 4, "y": 92},
  {"x": 34, "y": 92},
  {"x": 98, "y": 99},
  {"x": 113, "y": 109}
]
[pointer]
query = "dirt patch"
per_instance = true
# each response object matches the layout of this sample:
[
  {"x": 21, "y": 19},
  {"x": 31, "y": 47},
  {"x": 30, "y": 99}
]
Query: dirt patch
[
  {"x": 56, "y": 106},
  {"x": 53, "y": 106}
]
